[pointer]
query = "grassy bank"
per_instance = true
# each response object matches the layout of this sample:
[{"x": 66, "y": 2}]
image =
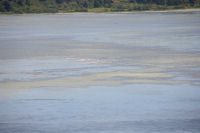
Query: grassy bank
[
  {"x": 140, "y": 8},
  {"x": 65, "y": 6}
]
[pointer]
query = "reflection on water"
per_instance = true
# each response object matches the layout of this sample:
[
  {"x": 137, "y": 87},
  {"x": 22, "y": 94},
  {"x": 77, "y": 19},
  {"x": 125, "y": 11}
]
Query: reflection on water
[{"x": 108, "y": 72}]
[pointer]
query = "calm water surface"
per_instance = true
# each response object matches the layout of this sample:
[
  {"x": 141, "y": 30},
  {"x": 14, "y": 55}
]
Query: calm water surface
[{"x": 102, "y": 73}]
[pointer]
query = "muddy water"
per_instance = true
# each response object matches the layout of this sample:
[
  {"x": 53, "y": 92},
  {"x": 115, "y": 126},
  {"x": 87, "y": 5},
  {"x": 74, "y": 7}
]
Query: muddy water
[{"x": 107, "y": 72}]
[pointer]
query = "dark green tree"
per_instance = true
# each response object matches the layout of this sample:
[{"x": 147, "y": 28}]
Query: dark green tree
[{"x": 6, "y": 5}]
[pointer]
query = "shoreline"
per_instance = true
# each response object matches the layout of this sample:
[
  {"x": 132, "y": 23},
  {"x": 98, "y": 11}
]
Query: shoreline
[{"x": 121, "y": 12}]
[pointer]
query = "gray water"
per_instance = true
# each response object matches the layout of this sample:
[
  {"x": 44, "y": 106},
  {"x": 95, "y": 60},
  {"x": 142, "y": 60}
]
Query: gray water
[{"x": 100, "y": 72}]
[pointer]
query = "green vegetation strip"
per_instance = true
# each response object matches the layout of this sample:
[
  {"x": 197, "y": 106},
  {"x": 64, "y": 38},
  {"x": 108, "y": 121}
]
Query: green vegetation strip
[{"x": 64, "y": 6}]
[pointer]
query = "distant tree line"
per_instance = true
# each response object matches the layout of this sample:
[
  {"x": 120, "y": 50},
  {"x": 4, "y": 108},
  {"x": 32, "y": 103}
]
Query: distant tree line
[{"x": 31, "y": 6}]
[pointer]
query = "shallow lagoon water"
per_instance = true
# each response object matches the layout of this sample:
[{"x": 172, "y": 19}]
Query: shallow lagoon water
[
  {"x": 104, "y": 72},
  {"x": 128, "y": 108}
]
